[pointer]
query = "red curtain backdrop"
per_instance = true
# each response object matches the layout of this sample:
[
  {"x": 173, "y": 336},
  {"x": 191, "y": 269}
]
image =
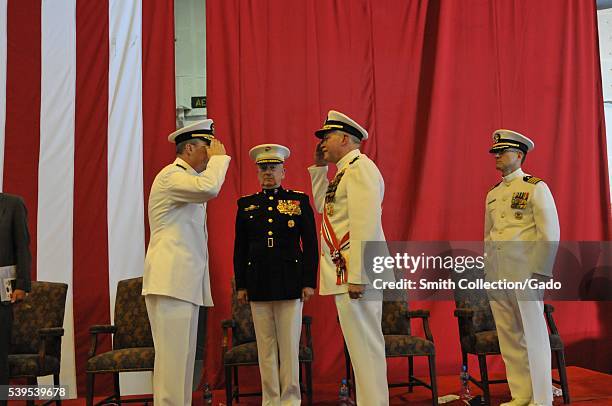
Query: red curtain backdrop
[{"x": 430, "y": 80}]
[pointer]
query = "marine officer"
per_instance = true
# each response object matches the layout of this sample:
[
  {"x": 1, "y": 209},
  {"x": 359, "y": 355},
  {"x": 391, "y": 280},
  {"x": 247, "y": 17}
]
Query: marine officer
[{"x": 275, "y": 266}]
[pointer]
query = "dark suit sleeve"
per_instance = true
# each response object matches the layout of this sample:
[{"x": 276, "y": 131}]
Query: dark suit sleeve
[
  {"x": 310, "y": 245},
  {"x": 21, "y": 239},
  {"x": 241, "y": 247}
]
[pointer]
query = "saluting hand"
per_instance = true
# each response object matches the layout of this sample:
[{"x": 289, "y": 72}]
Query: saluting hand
[
  {"x": 318, "y": 156},
  {"x": 216, "y": 148}
]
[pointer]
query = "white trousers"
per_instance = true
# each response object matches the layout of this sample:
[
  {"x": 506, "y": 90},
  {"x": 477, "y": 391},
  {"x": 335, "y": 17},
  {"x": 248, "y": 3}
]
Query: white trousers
[
  {"x": 174, "y": 325},
  {"x": 360, "y": 322},
  {"x": 278, "y": 325},
  {"x": 525, "y": 346}
]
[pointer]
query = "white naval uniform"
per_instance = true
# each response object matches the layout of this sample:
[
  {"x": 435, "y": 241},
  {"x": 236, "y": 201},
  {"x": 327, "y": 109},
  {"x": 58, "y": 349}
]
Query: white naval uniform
[
  {"x": 357, "y": 209},
  {"x": 521, "y": 235},
  {"x": 176, "y": 277}
]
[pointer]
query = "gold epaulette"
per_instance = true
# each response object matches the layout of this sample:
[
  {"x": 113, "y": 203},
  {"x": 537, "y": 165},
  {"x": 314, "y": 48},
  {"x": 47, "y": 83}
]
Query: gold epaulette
[
  {"x": 532, "y": 179},
  {"x": 252, "y": 194}
]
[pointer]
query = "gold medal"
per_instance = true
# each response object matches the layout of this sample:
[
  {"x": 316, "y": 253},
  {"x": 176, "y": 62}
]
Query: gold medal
[
  {"x": 290, "y": 207},
  {"x": 519, "y": 200},
  {"x": 291, "y": 223},
  {"x": 329, "y": 207}
]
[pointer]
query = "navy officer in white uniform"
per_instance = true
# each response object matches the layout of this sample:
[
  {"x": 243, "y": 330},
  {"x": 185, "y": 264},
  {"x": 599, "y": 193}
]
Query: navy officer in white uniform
[
  {"x": 275, "y": 265},
  {"x": 352, "y": 207},
  {"x": 176, "y": 280},
  {"x": 521, "y": 238}
]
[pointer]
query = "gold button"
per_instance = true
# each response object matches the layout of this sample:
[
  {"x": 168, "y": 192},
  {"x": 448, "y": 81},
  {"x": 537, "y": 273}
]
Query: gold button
[
  {"x": 249, "y": 263},
  {"x": 250, "y": 217},
  {"x": 270, "y": 208},
  {"x": 296, "y": 260},
  {"x": 270, "y": 220},
  {"x": 271, "y": 197},
  {"x": 270, "y": 233},
  {"x": 503, "y": 215}
]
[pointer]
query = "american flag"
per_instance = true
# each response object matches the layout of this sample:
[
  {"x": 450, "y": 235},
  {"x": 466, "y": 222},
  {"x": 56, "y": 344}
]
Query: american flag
[{"x": 86, "y": 102}]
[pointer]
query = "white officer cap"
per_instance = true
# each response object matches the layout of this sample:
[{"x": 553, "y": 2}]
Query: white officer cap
[
  {"x": 269, "y": 154},
  {"x": 504, "y": 139},
  {"x": 337, "y": 121},
  {"x": 203, "y": 130}
]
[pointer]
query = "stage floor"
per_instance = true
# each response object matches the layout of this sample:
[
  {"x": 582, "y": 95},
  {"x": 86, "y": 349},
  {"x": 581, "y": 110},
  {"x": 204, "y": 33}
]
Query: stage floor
[{"x": 586, "y": 387}]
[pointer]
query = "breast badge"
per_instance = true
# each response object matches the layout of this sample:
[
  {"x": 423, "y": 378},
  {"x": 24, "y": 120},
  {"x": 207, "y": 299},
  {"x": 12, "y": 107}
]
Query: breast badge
[
  {"x": 290, "y": 207},
  {"x": 251, "y": 208},
  {"x": 519, "y": 200}
]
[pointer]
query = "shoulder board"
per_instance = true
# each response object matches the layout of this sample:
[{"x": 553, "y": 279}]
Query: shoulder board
[
  {"x": 532, "y": 179},
  {"x": 496, "y": 185},
  {"x": 181, "y": 166},
  {"x": 247, "y": 196}
]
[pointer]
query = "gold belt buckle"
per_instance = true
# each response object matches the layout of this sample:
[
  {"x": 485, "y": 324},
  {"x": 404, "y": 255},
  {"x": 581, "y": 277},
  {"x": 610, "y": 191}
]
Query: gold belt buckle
[{"x": 270, "y": 242}]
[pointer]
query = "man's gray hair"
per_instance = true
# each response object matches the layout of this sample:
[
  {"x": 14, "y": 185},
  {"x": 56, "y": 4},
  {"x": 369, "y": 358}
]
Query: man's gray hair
[
  {"x": 180, "y": 147},
  {"x": 354, "y": 139}
]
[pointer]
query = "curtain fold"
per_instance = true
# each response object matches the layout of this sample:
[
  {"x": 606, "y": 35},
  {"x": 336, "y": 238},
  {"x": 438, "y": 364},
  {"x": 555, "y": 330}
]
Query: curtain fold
[{"x": 431, "y": 81}]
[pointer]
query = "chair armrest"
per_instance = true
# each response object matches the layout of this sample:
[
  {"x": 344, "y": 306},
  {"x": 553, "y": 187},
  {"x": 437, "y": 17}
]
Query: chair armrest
[
  {"x": 94, "y": 331},
  {"x": 467, "y": 336},
  {"x": 548, "y": 311},
  {"x": 424, "y": 316},
  {"x": 226, "y": 325},
  {"x": 102, "y": 329},
  {"x": 48, "y": 336},
  {"x": 463, "y": 313},
  {"x": 51, "y": 332},
  {"x": 307, "y": 322}
]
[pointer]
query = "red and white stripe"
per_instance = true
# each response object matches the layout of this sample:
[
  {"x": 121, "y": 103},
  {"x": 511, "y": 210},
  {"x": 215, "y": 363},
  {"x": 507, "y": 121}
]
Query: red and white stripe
[
  {"x": 86, "y": 100},
  {"x": 3, "y": 27}
]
